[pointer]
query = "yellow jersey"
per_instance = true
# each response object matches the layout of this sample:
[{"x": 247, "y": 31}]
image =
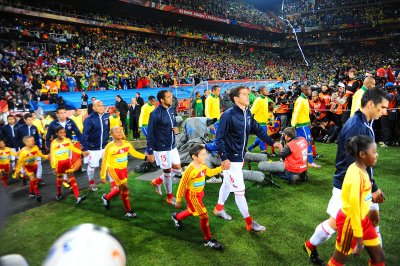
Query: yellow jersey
[
  {"x": 260, "y": 110},
  {"x": 60, "y": 151},
  {"x": 117, "y": 156},
  {"x": 356, "y": 101},
  {"x": 38, "y": 124},
  {"x": 5, "y": 155},
  {"x": 301, "y": 112},
  {"x": 115, "y": 121},
  {"x": 145, "y": 112},
  {"x": 356, "y": 197},
  {"x": 194, "y": 179},
  {"x": 212, "y": 107},
  {"x": 78, "y": 120},
  {"x": 29, "y": 157}
]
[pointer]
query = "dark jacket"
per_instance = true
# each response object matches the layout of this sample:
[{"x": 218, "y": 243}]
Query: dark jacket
[
  {"x": 160, "y": 136},
  {"x": 233, "y": 133},
  {"x": 123, "y": 107},
  {"x": 96, "y": 130},
  {"x": 6, "y": 134},
  {"x": 355, "y": 126},
  {"x": 134, "y": 115},
  {"x": 24, "y": 131},
  {"x": 70, "y": 128},
  {"x": 140, "y": 101}
]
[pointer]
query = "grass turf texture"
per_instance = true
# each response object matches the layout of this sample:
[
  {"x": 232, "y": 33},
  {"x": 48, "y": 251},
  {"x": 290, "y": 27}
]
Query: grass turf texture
[{"x": 290, "y": 215}]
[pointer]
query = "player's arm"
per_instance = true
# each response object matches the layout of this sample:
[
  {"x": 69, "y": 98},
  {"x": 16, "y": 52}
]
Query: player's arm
[
  {"x": 212, "y": 172},
  {"x": 20, "y": 162},
  {"x": 52, "y": 156},
  {"x": 135, "y": 153},
  {"x": 141, "y": 116},
  {"x": 73, "y": 148},
  {"x": 150, "y": 133},
  {"x": 183, "y": 184},
  {"x": 254, "y": 108},
  {"x": 207, "y": 107},
  {"x": 103, "y": 171},
  {"x": 45, "y": 157},
  {"x": 295, "y": 113},
  {"x": 76, "y": 130},
  {"x": 49, "y": 135},
  {"x": 257, "y": 129},
  {"x": 87, "y": 126},
  {"x": 354, "y": 199},
  {"x": 219, "y": 140}
]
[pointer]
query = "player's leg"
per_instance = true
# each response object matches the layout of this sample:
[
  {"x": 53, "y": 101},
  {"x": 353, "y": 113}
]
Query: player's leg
[
  {"x": 375, "y": 218},
  {"x": 93, "y": 162},
  {"x": 124, "y": 193},
  {"x": 59, "y": 181},
  {"x": 223, "y": 195},
  {"x": 39, "y": 172},
  {"x": 372, "y": 242}
]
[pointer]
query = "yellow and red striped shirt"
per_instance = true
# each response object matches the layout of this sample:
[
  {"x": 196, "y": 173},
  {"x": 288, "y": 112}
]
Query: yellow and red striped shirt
[
  {"x": 60, "y": 151},
  {"x": 5, "y": 155},
  {"x": 29, "y": 157},
  {"x": 194, "y": 179}
]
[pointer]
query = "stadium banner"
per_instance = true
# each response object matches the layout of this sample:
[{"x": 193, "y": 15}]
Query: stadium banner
[{"x": 195, "y": 14}]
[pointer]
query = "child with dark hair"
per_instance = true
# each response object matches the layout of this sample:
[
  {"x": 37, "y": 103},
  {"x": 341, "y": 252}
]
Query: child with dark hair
[
  {"x": 355, "y": 229},
  {"x": 5, "y": 157},
  {"x": 191, "y": 187},
  {"x": 60, "y": 154}
]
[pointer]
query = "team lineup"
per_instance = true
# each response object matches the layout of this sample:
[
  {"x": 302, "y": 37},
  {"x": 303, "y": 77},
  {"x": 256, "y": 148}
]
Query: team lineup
[{"x": 353, "y": 209}]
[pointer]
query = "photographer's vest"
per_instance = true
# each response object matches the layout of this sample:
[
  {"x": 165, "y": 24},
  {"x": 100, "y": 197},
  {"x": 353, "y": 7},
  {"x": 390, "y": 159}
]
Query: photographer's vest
[
  {"x": 296, "y": 162},
  {"x": 325, "y": 97},
  {"x": 282, "y": 108},
  {"x": 338, "y": 108}
]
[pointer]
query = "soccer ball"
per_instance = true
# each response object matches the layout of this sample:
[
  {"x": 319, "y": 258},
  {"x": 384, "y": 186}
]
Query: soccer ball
[{"x": 86, "y": 244}]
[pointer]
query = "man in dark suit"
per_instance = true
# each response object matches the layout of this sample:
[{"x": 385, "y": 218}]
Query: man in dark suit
[
  {"x": 134, "y": 113},
  {"x": 90, "y": 106},
  {"x": 8, "y": 134}
]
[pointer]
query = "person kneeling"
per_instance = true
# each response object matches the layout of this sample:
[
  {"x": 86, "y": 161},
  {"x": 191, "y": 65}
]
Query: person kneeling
[{"x": 294, "y": 155}]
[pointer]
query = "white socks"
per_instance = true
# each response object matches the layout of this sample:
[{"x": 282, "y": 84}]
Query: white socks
[
  {"x": 39, "y": 169},
  {"x": 379, "y": 234},
  {"x": 90, "y": 172},
  {"x": 167, "y": 182},
  {"x": 321, "y": 234},
  {"x": 241, "y": 202}
]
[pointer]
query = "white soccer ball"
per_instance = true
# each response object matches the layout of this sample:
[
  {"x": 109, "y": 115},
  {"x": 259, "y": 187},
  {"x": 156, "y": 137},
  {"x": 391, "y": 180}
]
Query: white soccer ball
[{"x": 86, "y": 244}]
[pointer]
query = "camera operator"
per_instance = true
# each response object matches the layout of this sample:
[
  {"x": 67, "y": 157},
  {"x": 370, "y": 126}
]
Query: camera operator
[
  {"x": 339, "y": 103},
  {"x": 383, "y": 76},
  {"x": 324, "y": 130},
  {"x": 283, "y": 107},
  {"x": 352, "y": 82},
  {"x": 325, "y": 95},
  {"x": 388, "y": 121},
  {"x": 318, "y": 108}
]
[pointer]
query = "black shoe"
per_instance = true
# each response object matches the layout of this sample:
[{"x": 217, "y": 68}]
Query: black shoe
[
  {"x": 38, "y": 198},
  {"x": 59, "y": 197},
  {"x": 214, "y": 244},
  {"x": 178, "y": 223},
  {"x": 313, "y": 255},
  {"x": 80, "y": 199},
  {"x": 41, "y": 183},
  {"x": 106, "y": 202},
  {"x": 32, "y": 195}
]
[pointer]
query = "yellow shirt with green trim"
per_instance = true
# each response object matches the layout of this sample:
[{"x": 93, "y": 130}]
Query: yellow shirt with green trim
[
  {"x": 260, "y": 110},
  {"x": 5, "y": 155},
  {"x": 194, "y": 179},
  {"x": 145, "y": 112},
  {"x": 61, "y": 151},
  {"x": 356, "y": 197},
  {"x": 356, "y": 101},
  {"x": 117, "y": 156},
  {"x": 301, "y": 112},
  {"x": 115, "y": 121},
  {"x": 212, "y": 107}
]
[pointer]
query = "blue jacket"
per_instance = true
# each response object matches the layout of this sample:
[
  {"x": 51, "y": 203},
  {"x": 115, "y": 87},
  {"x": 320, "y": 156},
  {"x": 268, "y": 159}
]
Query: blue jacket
[
  {"x": 355, "y": 126},
  {"x": 70, "y": 127},
  {"x": 24, "y": 131},
  {"x": 6, "y": 134},
  {"x": 233, "y": 133},
  {"x": 96, "y": 132},
  {"x": 160, "y": 136}
]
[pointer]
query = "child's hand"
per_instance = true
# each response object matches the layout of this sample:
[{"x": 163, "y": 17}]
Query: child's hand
[
  {"x": 85, "y": 153},
  {"x": 103, "y": 181},
  {"x": 150, "y": 158},
  {"x": 178, "y": 205},
  {"x": 359, "y": 247}
]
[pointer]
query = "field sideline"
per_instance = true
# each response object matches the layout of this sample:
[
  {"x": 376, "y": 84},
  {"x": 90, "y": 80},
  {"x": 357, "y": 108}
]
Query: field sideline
[{"x": 290, "y": 215}]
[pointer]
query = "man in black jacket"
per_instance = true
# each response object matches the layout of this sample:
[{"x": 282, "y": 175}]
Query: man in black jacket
[
  {"x": 123, "y": 108},
  {"x": 134, "y": 113}
]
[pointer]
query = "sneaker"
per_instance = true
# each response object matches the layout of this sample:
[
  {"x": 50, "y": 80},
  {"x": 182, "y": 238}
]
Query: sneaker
[
  {"x": 38, "y": 198},
  {"x": 106, "y": 202},
  {"x": 313, "y": 255},
  {"x": 214, "y": 244},
  {"x": 31, "y": 195},
  {"x": 41, "y": 183},
  {"x": 314, "y": 165},
  {"x": 222, "y": 214},
  {"x": 157, "y": 187},
  {"x": 273, "y": 154},
  {"x": 171, "y": 201},
  {"x": 256, "y": 227},
  {"x": 131, "y": 215},
  {"x": 214, "y": 180},
  {"x": 59, "y": 197},
  {"x": 178, "y": 224},
  {"x": 93, "y": 187},
  {"x": 80, "y": 199},
  {"x": 66, "y": 185}
]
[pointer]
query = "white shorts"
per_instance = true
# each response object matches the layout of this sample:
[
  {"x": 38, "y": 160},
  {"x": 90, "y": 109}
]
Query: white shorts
[
  {"x": 335, "y": 203},
  {"x": 165, "y": 159},
  {"x": 234, "y": 177},
  {"x": 94, "y": 158}
]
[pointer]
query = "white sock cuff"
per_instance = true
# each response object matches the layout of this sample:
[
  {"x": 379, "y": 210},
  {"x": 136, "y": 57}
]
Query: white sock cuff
[
  {"x": 166, "y": 175},
  {"x": 325, "y": 226}
]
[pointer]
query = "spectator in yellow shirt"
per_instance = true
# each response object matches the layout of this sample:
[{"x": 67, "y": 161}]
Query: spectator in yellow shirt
[{"x": 213, "y": 107}]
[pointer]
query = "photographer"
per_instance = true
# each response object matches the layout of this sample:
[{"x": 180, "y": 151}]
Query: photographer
[
  {"x": 283, "y": 107},
  {"x": 339, "y": 103},
  {"x": 318, "y": 108},
  {"x": 324, "y": 130},
  {"x": 325, "y": 95},
  {"x": 352, "y": 82}
]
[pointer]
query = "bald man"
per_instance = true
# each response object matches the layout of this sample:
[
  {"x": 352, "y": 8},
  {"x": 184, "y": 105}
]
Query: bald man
[
  {"x": 369, "y": 83},
  {"x": 96, "y": 128}
]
